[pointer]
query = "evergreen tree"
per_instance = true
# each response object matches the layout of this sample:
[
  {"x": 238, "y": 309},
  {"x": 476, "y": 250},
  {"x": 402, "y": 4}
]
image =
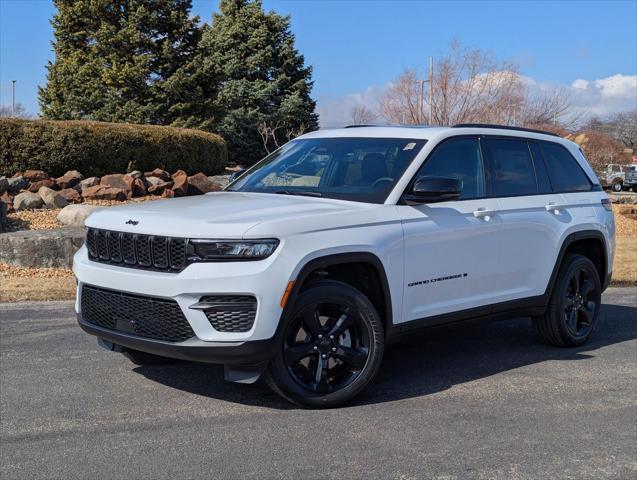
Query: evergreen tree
[
  {"x": 264, "y": 81},
  {"x": 120, "y": 60}
]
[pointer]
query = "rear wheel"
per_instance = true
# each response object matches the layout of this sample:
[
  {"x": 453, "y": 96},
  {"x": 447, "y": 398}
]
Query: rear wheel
[
  {"x": 143, "y": 358},
  {"x": 573, "y": 310},
  {"x": 332, "y": 347}
]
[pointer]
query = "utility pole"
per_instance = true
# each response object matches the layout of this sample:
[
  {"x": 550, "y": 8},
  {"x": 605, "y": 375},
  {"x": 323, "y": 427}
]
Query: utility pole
[
  {"x": 431, "y": 90},
  {"x": 13, "y": 101}
]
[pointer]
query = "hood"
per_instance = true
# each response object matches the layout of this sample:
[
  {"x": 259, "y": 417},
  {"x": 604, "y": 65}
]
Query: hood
[{"x": 214, "y": 215}]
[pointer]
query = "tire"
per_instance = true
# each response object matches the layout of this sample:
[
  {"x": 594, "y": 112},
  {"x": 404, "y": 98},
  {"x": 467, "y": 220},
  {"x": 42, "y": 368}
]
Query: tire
[
  {"x": 312, "y": 369},
  {"x": 573, "y": 311},
  {"x": 617, "y": 187},
  {"x": 146, "y": 359}
]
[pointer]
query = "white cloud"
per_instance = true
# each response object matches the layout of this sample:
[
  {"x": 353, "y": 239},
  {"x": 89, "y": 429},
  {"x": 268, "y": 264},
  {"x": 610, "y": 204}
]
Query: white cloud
[
  {"x": 580, "y": 84},
  {"x": 600, "y": 97},
  {"x": 335, "y": 110},
  {"x": 617, "y": 86}
]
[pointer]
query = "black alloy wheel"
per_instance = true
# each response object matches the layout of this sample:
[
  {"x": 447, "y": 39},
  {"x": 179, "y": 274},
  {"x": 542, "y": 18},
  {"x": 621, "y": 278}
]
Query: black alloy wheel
[
  {"x": 580, "y": 303},
  {"x": 573, "y": 311},
  {"x": 331, "y": 349},
  {"x": 326, "y": 347}
]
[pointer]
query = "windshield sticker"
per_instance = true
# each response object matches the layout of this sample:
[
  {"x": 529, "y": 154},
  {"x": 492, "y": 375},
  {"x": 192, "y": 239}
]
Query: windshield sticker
[{"x": 409, "y": 146}]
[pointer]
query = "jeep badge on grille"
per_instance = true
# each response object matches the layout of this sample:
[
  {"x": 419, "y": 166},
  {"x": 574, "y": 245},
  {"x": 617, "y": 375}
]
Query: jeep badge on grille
[{"x": 132, "y": 222}]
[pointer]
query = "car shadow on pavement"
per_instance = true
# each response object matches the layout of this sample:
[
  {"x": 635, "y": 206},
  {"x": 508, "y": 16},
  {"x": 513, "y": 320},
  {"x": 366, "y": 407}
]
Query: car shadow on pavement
[{"x": 428, "y": 362}]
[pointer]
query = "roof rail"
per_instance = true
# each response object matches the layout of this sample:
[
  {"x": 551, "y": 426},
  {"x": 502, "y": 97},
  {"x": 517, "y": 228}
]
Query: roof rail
[
  {"x": 388, "y": 126},
  {"x": 503, "y": 127}
]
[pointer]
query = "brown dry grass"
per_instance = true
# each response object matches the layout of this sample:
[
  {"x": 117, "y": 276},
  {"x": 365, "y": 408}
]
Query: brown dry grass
[
  {"x": 625, "y": 265},
  {"x": 22, "y": 284}
]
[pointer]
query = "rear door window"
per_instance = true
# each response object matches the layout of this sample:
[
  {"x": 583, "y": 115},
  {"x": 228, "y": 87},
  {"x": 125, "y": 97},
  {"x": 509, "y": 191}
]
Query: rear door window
[
  {"x": 565, "y": 173},
  {"x": 512, "y": 168}
]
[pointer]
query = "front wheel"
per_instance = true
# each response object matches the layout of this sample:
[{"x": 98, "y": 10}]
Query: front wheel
[
  {"x": 617, "y": 187},
  {"x": 573, "y": 310},
  {"x": 332, "y": 347}
]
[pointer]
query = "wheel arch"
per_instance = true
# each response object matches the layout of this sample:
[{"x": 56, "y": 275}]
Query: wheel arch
[
  {"x": 339, "y": 262},
  {"x": 590, "y": 243}
]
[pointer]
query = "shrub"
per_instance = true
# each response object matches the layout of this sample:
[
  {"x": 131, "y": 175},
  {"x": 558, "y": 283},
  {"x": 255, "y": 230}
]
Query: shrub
[{"x": 98, "y": 148}]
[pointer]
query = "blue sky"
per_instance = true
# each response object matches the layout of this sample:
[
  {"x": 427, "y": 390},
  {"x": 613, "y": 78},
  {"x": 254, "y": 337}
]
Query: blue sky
[{"x": 357, "y": 47}]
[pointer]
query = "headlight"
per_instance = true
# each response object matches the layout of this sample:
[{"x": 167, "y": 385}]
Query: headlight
[{"x": 220, "y": 250}]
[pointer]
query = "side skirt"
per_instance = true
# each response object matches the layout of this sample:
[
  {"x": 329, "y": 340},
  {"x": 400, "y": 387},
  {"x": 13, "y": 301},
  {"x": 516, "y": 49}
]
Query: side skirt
[{"x": 525, "y": 307}]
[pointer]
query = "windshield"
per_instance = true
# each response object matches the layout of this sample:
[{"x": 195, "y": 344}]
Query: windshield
[{"x": 358, "y": 169}]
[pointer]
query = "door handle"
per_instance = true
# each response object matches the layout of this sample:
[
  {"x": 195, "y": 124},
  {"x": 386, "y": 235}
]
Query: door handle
[
  {"x": 553, "y": 207},
  {"x": 483, "y": 213}
]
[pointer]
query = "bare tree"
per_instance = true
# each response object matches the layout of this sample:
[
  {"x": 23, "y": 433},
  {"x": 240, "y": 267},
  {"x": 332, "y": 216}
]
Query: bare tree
[
  {"x": 20, "y": 111},
  {"x": 625, "y": 128},
  {"x": 600, "y": 149},
  {"x": 273, "y": 135},
  {"x": 401, "y": 102},
  {"x": 471, "y": 86},
  {"x": 362, "y": 115},
  {"x": 549, "y": 108}
]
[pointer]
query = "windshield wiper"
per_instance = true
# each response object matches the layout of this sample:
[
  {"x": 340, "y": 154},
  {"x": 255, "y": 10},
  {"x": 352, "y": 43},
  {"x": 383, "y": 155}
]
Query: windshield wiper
[{"x": 304, "y": 193}]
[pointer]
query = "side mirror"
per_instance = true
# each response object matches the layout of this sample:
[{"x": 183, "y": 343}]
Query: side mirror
[
  {"x": 429, "y": 189},
  {"x": 236, "y": 175}
]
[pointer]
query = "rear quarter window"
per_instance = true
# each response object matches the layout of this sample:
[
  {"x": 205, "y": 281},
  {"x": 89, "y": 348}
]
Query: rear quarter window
[{"x": 564, "y": 171}]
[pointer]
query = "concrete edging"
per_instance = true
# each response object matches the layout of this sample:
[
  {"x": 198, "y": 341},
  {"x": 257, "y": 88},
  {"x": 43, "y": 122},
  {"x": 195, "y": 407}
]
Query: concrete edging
[{"x": 41, "y": 248}]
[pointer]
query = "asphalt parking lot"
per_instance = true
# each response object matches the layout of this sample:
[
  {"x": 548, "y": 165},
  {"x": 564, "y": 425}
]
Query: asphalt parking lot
[{"x": 485, "y": 401}]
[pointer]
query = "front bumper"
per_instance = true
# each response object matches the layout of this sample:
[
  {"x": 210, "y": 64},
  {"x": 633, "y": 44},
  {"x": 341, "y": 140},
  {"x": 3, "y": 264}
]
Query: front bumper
[
  {"x": 264, "y": 280},
  {"x": 225, "y": 353}
]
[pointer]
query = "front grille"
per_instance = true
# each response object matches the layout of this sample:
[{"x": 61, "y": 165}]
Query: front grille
[
  {"x": 151, "y": 252},
  {"x": 230, "y": 313},
  {"x": 148, "y": 317}
]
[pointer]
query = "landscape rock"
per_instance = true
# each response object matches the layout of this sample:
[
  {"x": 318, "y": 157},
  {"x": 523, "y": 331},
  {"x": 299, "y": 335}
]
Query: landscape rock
[
  {"x": 4, "y": 208},
  {"x": 157, "y": 185},
  {"x": 51, "y": 198},
  {"x": 35, "y": 175},
  {"x": 199, "y": 184},
  {"x": 75, "y": 215},
  {"x": 71, "y": 195},
  {"x": 101, "y": 192},
  {"x": 119, "y": 181},
  {"x": 221, "y": 181},
  {"x": 36, "y": 186},
  {"x": 69, "y": 179},
  {"x": 88, "y": 182},
  {"x": 168, "y": 193},
  {"x": 4, "y": 185},
  {"x": 139, "y": 187},
  {"x": 135, "y": 174},
  {"x": 180, "y": 188},
  {"x": 6, "y": 198},
  {"x": 159, "y": 173},
  {"x": 16, "y": 184},
  {"x": 27, "y": 200}
]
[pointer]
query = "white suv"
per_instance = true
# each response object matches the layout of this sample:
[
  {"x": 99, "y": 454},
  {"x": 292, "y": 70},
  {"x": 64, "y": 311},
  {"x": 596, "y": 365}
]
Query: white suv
[{"x": 342, "y": 240}]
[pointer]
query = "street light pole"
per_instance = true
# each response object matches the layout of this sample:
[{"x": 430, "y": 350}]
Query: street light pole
[
  {"x": 13, "y": 100},
  {"x": 431, "y": 90}
]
